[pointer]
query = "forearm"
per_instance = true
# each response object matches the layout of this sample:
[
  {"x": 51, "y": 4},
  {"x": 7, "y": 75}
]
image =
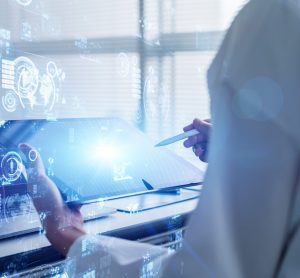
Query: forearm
[
  {"x": 116, "y": 257},
  {"x": 62, "y": 239}
]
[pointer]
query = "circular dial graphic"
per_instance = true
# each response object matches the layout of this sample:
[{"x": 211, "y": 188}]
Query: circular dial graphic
[
  {"x": 11, "y": 166},
  {"x": 52, "y": 70},
  {"x": 9, "y": 102},
  {"x": 32, "y": 155}
]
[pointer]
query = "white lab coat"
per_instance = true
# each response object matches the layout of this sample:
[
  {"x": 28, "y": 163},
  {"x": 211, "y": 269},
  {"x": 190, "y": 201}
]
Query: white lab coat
[{"x": 247, "y": 223}]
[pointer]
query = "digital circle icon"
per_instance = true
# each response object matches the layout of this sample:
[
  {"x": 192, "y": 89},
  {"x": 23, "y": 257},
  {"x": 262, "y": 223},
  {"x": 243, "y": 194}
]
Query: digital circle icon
[
  {"x": 24, "y": 2},
  {"x": 52, "y": 69},
  {"x": 11, "y": 166},
  {"x": 26, "y": 78},
  {"x": 32, "y": 155},
  {"x": 9, "y": 102}
]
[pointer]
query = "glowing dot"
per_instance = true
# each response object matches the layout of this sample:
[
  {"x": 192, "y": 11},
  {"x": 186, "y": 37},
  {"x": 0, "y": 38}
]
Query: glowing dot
[{"x": 106, "y": 152}]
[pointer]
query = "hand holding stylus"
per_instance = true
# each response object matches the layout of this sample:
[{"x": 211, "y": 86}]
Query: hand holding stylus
[
  {"x": 200, "y": 141},
  {"x": 198, "y": 137}
]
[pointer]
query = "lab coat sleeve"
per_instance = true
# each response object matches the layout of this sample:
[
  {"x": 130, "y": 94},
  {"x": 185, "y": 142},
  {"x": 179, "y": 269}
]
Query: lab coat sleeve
[
  {"x": 102, "y": 256},
  {"x": 244, "y": 219}
]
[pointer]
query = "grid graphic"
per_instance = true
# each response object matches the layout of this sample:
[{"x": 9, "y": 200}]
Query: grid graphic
[{"x": 8, "y": 74}]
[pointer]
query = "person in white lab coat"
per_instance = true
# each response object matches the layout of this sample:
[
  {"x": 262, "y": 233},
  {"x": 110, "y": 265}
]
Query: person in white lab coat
[{"x": 247, "y": 223}]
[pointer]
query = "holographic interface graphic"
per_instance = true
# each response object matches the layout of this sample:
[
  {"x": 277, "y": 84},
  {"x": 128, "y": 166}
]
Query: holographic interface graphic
[{"x": 30, "y": 86}]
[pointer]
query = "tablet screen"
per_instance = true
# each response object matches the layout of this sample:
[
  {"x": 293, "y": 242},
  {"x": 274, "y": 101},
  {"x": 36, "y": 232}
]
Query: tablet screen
[{"x": 96, "y": 158}]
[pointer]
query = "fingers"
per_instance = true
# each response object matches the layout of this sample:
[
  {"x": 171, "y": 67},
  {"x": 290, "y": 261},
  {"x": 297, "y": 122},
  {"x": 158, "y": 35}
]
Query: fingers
[
  {"x": 197, "y": 124},
  {"x": 198, "y": 150},
  {"x": 40, "y": 187},
  {"x": 201, "y": 151},
  {"x": 28, "y": 151},
  {"x": 189, "y": 127},
  {"x": 202, "y": 126},
  {"x": 191, "y": 141},
  {"x": 35, "y": 163}
]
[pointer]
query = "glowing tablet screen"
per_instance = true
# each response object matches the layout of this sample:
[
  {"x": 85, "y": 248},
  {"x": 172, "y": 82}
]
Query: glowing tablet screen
[{"x": 99, "y": 157}]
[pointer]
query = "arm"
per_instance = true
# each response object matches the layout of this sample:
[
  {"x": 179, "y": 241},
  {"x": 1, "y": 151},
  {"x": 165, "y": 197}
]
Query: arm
[
  {"x": 64, "y": 228},
  {"x": 61, "y": 224}
]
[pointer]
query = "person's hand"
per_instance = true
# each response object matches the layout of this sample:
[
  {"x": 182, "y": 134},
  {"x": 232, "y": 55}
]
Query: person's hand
[
  {"x": 199, "y": 142},
  {"x": 62, "y": 225}
]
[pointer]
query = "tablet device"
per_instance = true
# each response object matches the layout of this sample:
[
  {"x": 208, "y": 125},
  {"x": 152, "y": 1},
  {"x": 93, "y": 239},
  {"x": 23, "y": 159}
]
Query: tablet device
[{"x": 91, "y": 159}]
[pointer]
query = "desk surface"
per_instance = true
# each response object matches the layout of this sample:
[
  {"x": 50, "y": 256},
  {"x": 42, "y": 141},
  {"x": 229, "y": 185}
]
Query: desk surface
[{"x": 116, "y": 222}]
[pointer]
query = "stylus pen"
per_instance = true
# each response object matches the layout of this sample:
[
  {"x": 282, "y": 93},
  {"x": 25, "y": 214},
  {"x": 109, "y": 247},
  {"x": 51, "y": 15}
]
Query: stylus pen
[{"x": 178, "y": 137}]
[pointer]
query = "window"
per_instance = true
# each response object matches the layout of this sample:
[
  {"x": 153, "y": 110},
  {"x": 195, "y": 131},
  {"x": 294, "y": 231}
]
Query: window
[{"x": 142, "y": 60}]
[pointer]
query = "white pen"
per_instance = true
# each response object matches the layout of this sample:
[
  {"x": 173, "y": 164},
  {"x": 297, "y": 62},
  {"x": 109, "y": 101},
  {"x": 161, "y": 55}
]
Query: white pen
[{"x": 178, "y": 137}]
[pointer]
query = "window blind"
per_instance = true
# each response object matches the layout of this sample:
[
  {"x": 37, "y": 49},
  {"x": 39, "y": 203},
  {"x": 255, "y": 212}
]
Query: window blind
[
  {"x": 189, "y": 33},
  {"x": 141, "y": 60}
]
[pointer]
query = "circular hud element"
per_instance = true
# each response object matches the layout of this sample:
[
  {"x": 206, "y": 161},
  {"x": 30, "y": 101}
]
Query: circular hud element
[
  {"x": 52, "y": 69},
  {"x": 32, "y": 155},
  {"x": 9, "y": 102},
  {"x": 11, "y": 166},
  {"x": 26, "y": 77}
]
